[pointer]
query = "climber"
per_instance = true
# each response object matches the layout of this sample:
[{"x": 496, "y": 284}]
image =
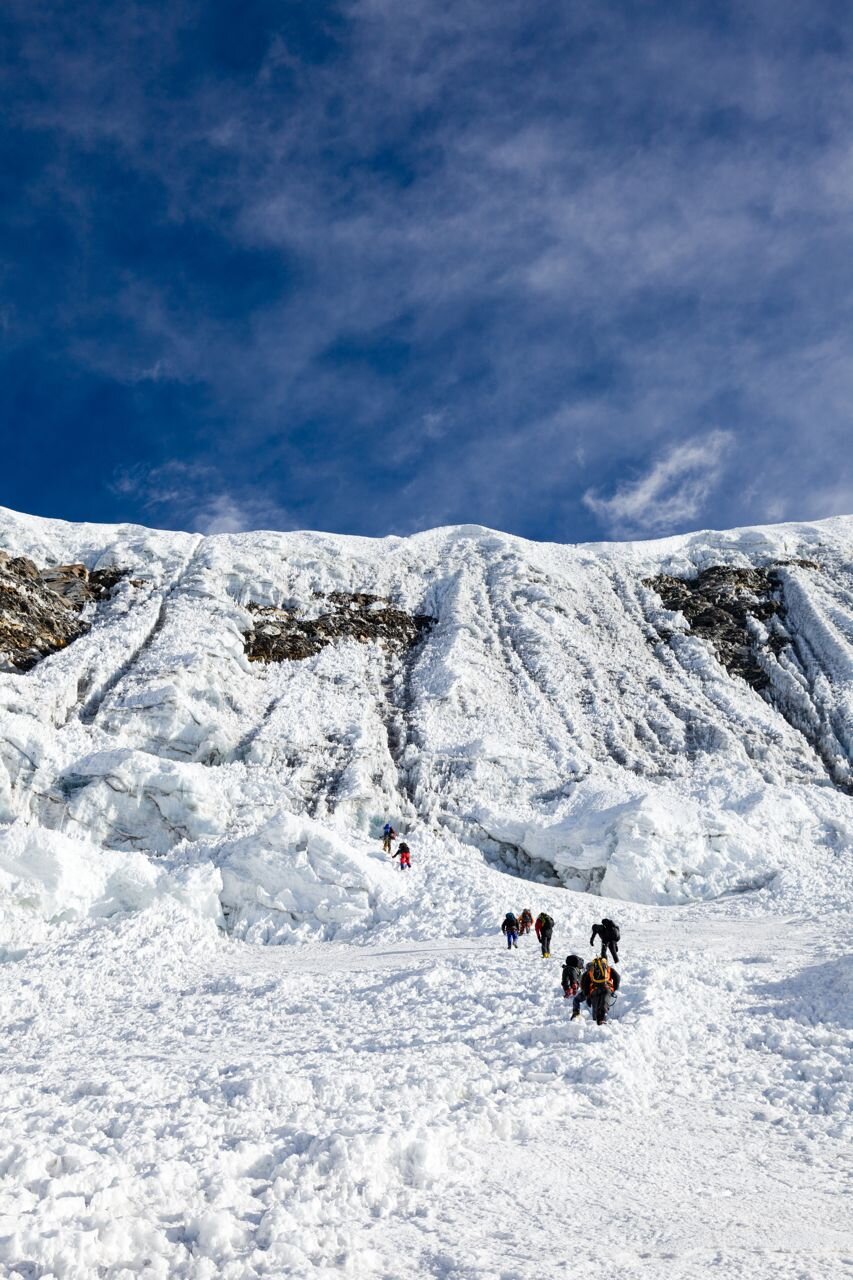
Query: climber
[
  {"x": 579, "y": 995},
  {"x": 525, "y": 923},
  {"x": 608, "y": 932},
  {"x": 388, "y": 834},
  {"x": 598, "y": 988},
  {"x": 404, "y": 854},
  {"x": 544, "y": 927},
  {"x": 572, "y": 972},
  {"x": 509, "y": 927}
]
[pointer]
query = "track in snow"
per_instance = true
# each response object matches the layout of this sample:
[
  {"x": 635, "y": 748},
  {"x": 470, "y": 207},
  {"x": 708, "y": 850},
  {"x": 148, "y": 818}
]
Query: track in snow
[
  {"x": 89, "y": 709},
  {"x": 181, "y": 1106}
]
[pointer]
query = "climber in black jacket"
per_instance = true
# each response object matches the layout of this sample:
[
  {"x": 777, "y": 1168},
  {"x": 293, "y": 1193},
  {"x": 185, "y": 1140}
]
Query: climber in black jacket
[
  {"x": 608, "y": 932},
  {"x": 572, "y": 971}
]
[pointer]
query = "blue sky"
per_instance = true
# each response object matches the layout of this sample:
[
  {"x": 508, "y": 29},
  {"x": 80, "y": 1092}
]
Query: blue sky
[{"x": 572, "y": 270}]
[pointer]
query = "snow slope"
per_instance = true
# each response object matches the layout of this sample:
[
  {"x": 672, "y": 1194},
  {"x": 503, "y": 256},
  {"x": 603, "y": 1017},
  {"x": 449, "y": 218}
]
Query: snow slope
[
  {"x": 394, "y": 1095},
  {"x": 544, "y": 718},
  {"x": 180, "y": 1105}
]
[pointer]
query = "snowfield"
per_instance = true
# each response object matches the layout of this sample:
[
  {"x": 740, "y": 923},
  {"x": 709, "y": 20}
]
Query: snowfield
[{"x": 240, "y": 1042}]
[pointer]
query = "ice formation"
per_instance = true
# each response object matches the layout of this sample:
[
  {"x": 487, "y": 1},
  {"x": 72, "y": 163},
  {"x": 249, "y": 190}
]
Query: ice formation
[
  {"x": 659, "y": 731},
  {"x": 544, "y": 707}
]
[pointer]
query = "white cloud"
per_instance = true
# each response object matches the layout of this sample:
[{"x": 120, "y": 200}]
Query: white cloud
[
  {"x": 670, "y": 494},
  {"x": 192, "y": 495},
  {"x": 804, "y": 502},
  {"x": 224, "y": 513},
  {"x": 435, "y": 424},
  {"x": 822, "y": 502}
]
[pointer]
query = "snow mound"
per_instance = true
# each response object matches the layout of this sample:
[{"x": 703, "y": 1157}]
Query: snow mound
[
  {"x": 294, "y": 879},
  {"x": 48, "y": 876}
]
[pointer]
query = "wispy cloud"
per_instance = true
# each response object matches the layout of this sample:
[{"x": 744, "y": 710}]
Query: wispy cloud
[
  {"x": 815, "y": 504},
  {"x": 670, "y": 494},
  {"x": 442, "y": 250},
  {"x": 196, "y": 494},
  {"x": 225, "y": 513}
]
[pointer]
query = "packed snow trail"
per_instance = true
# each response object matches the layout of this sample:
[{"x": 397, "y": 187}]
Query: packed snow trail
[{"x": 177, "y": 1104}]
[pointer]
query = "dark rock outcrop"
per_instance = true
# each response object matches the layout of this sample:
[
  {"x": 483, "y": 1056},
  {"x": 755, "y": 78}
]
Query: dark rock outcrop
[
  {"x": 719, "y": 603},
  {"x": 280, "y": 635},
  {"x": 103, "y": 582},
  {"x": 40, "y": 608}
]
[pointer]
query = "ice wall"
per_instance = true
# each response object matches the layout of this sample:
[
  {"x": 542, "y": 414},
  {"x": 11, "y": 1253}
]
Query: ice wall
[{"x": 556, "y": 719}]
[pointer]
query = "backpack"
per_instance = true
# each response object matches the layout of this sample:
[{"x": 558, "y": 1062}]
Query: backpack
[
  {"x": 546, "y": 922},
  {"x": 599, "y": 975},
  {"x": 612, "y": 930}
]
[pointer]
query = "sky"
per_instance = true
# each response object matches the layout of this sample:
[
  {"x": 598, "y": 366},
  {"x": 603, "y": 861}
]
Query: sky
[{"x": 573, "y": 270}]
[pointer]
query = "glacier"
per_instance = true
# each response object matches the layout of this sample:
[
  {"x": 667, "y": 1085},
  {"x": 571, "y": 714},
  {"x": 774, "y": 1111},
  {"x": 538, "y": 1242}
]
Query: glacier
[
  {"x": 241, "y": 1043},
  {"x": 557, "y": 718}
]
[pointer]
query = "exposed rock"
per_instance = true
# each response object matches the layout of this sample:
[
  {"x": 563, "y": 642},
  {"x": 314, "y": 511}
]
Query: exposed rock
[
  {"x": 800, "y": 564},
  {"x": 70, "y": 581},
  {"x": 40, "y": 608},
  {"x": 281, "y": 635},
  {"x": 719, "y": 604},
  {"x": 102, "y": 582}
]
